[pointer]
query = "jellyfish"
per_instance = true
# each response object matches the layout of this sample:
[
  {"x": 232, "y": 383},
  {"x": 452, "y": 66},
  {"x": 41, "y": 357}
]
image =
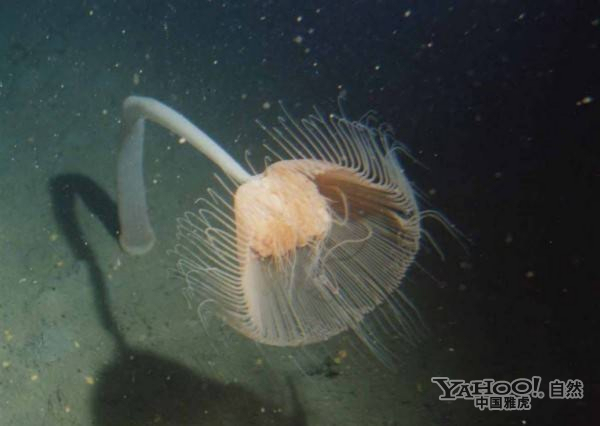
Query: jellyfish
[{"x": 297, "y": 253}]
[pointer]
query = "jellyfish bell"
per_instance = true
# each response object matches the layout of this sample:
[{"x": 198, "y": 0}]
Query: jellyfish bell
[{"x": 304, "y": 250}]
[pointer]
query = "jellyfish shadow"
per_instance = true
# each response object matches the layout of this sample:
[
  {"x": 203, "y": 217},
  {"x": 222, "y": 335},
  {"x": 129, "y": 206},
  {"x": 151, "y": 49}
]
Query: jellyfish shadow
[{"x": 139, "y": 387}]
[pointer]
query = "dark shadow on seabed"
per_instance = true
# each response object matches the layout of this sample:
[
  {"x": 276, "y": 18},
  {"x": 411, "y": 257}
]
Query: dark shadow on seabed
[{"x": 139, "y": 387}]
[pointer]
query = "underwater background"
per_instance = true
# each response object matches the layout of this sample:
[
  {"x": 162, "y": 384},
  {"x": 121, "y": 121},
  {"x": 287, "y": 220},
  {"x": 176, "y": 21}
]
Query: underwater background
[{"x": 497, "y": 102}]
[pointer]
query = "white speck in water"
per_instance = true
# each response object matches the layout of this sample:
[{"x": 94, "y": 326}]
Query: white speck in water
[{"x": 586, "y": 100}]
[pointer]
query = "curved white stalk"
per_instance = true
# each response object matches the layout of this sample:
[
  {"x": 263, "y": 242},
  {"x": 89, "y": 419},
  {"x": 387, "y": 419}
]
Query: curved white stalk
[{"x": 137, "y": 236}]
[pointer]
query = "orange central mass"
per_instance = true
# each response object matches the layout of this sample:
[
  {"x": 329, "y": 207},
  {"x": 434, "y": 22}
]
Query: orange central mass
[{"x": 282, "y": 209}]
